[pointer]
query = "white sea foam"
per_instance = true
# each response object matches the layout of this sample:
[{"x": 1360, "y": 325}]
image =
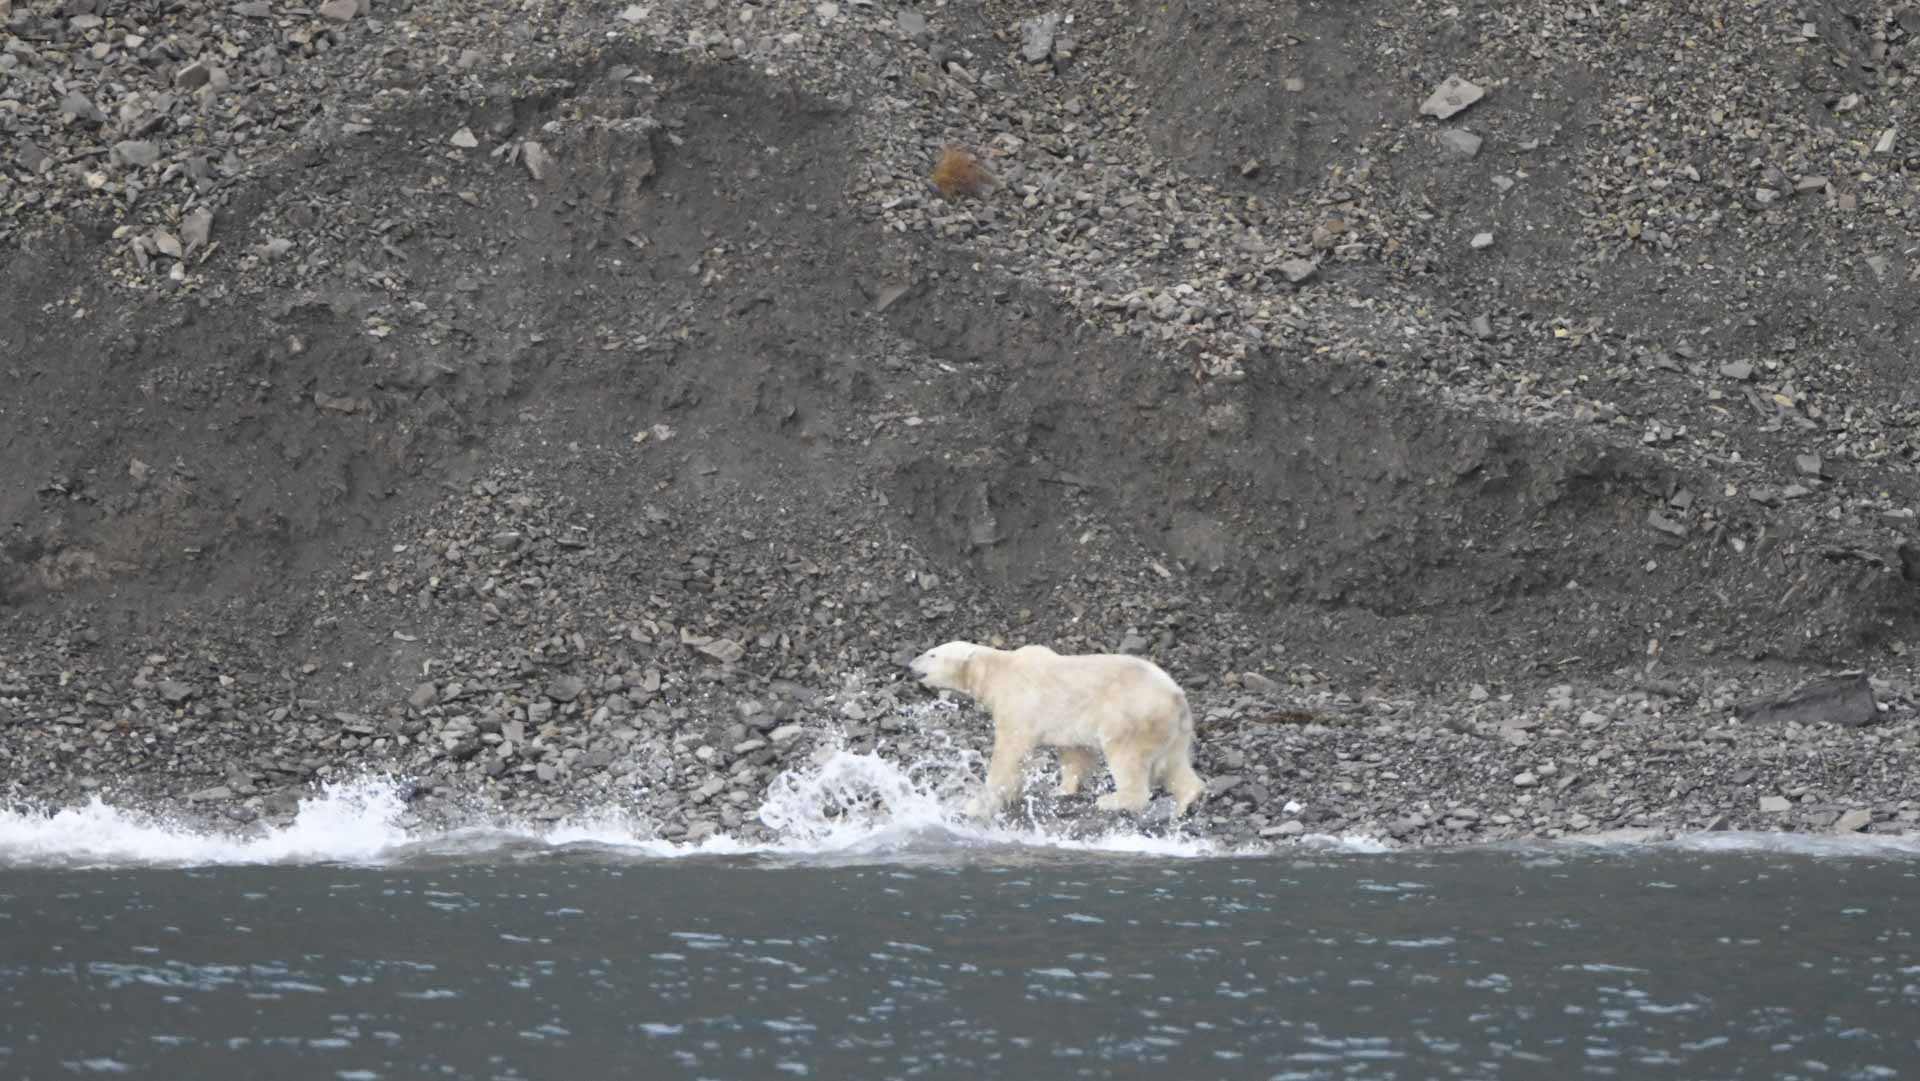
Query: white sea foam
[{"x": 839, "y": 807}]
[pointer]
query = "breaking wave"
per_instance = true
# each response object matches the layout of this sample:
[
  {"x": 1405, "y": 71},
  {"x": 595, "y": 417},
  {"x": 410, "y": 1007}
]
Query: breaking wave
[{"x": 840, "y": 806}]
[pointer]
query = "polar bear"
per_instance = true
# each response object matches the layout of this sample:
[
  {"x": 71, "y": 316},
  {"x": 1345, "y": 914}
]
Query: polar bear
[{"x": 1126, "y": 708}]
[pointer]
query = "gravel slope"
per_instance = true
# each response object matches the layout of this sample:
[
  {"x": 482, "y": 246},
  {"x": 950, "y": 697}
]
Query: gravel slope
[{"x": 592, "y": 404}]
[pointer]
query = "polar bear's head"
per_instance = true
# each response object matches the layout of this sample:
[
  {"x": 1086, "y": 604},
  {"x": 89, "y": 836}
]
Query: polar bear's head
[{"x": 945, "y": 667}]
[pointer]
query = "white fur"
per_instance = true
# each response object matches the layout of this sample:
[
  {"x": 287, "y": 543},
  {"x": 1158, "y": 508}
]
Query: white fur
[{"x": 1125, "y": 708}]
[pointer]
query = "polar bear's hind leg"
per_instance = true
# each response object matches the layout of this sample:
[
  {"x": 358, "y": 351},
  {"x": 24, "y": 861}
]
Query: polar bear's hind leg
[
  {"x": 1131, "y": 772},
  {"x": 1076, "y": 763}
]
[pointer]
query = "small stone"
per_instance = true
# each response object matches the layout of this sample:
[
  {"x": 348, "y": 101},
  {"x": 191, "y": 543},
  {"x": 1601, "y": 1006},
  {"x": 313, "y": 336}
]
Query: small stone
[
  {"x": 724, "y": 650},
  {"x": 1845, "y": 700},
  {"x": 193, "y": 76},
  {"x": 1482, "y": 327},
  {"x": 1666, "y": 525},
  {"x": 196, "y": 228},
  {"x": 1853, "y": 821},
  {"x": 173, "y": 692},
  {"x": 566, "y": 688},
  {"x": 1481, "y": 240},
  {"x": 209, "y": 795},
  {"x": 911, "y": 23},
  {"x": 539, "y": 162},
  {"x": 784, "y": 734},
  {"x": 1453, "y": 95},
  {"x": 1036, "y": 37},
  {"x": 1592, "y": 719},
  {"x": 1291, "y": 828},
  {"x": 138, "y": 153},
  {"x": 165, "y": 243},
  {"x": 1250, "y": 168},
  {"x": 464, "y": 139},
  {"x": 340, "y": 11},
  {"x": 1741, "y": 370},
  {"x": 1258, "y": 684},
  {"x": 77, "y": 105},
  {"x": 1298, "y": 270},
  {"x": 1461, "y": 141},
  {"x": 1809, "y": 465},
  {"x": 1525, "y": 780},
  {"x": 635, "y": 14},
  {"x": 1774, "y": 805},
  {"x": 700, "y": 831},
  {"x": 424, "y": 695}
]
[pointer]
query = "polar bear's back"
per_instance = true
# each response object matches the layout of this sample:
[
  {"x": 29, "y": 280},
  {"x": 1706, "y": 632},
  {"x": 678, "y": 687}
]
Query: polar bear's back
[{"x": 1088, "y": 695}]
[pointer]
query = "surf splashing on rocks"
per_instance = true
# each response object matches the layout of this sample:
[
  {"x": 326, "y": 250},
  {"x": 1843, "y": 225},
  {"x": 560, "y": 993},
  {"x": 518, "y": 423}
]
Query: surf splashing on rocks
[{"x": 838, "y": 804}]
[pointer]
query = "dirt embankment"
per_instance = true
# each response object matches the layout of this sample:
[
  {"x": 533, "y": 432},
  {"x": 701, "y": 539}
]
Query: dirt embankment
[{"x": 570, "y": 403}]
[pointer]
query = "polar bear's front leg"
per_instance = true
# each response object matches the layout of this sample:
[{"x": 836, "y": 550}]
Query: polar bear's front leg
[{"x": 1003, "y": 773}]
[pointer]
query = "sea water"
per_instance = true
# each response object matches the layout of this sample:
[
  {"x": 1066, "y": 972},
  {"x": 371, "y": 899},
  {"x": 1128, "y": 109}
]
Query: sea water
[{"x": 884, "y": 936}]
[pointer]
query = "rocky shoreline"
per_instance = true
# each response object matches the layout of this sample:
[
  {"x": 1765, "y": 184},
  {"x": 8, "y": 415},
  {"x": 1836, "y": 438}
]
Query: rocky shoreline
[{"x": 591, "y": 406}]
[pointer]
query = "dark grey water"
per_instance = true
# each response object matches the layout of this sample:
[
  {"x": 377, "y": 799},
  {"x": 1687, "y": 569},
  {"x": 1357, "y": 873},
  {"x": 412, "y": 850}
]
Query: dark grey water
[{"x": 584, "y": 963}]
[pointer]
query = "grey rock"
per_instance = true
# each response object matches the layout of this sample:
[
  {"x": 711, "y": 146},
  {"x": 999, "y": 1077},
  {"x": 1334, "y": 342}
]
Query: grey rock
[
  {"x": 1036, "y": 37},
  {"x": 340, "y": 11},
  {"x": 1481, "y": 241},
  {"x": 699, "y": 830},
  {"x": 724, "y": 650},
  {"x": 77, "y": 105},
  {"x": 566, "y": 688},
  {"x": 1665, "y": 524},
  {"x": 424, "y": 695},
  {"x": 209, "y": 795},
  {"x": 138, "y": 153},
  {"x": 1853, "y": 821},
  {"x": 1452, "y": 96},
  {"x": 540, "y": 164},
  {"x": 1258, "y": 684},
  {"x": 784, "y": 734},
  {"x": 911, "y": 23},
  {"x": 173, "y": 692},
  {"x": 1741, "y": 370},
  {"x": 1774, "y": 805},
  {"x": 1845, "y": 700},
  {"x": 1221, "y": 785},
  {"x": 1525, "y": 780},
  {"x": 1482, "y": 327},
  {"x": 1809, "y": 465},
  {"x": 1290, "y": 828},
  {"x": 196, "y": 229},
  {"x": 1461, "y": 141},
  {"x": 1134, "y": 644},
  {"x": 1298, "y": 270}
]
